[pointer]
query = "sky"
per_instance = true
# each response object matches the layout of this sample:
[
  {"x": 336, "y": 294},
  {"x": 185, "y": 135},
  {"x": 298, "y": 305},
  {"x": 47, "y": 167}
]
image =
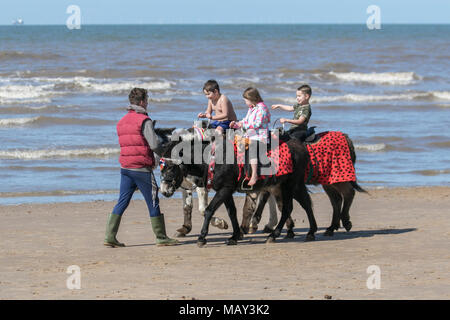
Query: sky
[{"x": 49, "y": 12}]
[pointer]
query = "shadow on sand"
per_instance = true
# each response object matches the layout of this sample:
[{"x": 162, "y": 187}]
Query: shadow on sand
[{"x": 258, "y": 238}]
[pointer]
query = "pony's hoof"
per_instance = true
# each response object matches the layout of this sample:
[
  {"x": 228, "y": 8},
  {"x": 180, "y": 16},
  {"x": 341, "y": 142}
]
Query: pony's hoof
[
  {"x": 244, "y": 230},
  {"x": 182, "y": 232},
  {"x": 267, "y": 230},
  {"x": 348, "y": 226},
  {"x": 252, "y": 229},
  {"x": 270, "y": 240},
  {"x": 201, "y": 243},
  {"x": 219, "y": 223},
  {"x": 310, "y": 237},
  {"x": 329, "y": 233},
  {"x": 290, "y": 235},
  {"x": 231, "y": 242},
  {"x": 179, "y": 234}
]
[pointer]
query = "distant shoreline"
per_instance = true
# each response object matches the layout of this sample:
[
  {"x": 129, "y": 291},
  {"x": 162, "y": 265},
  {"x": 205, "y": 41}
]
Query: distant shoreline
[
  {"x": 227, "y": 24},
  {"x": 177, "y": 196}
]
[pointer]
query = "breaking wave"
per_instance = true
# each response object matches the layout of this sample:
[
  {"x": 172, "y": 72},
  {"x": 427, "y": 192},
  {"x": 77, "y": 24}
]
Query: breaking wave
[
  {"x": 59, "y": 153},
  {"x": 371, "y": 147},
  {"x": 388, "y": 78},
  {"x": 424, "y": 96},
  {"x": 19, "y": 55},
  {"x": 41, "y": 90}
]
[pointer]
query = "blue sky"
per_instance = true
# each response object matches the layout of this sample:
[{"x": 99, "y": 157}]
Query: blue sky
[{"x": 226, "y": 11}]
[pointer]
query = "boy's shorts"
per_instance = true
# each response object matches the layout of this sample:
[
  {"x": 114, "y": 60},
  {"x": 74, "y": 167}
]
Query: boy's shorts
[{"x": 224, "y": 124}]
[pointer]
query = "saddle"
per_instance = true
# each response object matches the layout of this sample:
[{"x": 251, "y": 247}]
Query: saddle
[{"x": 311, "y": 135}]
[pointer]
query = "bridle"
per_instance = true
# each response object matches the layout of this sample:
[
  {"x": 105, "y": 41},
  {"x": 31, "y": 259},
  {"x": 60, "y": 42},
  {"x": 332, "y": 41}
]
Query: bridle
[{"x": 174, "y": 180}]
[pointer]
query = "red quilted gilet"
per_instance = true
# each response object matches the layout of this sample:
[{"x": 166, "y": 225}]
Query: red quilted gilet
[{"x": 134, "y": 149}]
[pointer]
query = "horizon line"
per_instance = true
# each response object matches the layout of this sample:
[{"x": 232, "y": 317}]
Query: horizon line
[{"x": 228, "y": 23}]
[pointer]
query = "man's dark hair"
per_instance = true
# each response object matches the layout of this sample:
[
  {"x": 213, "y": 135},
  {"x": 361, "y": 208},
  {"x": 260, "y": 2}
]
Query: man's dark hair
[
  {"x": 137, "y": 95},
  {"x": 305, "y": 89},
  {"x": 210, "y": 86}
]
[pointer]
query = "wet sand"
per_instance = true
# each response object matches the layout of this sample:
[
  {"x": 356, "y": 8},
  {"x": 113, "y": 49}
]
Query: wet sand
[{"x": 403, "y": 231}]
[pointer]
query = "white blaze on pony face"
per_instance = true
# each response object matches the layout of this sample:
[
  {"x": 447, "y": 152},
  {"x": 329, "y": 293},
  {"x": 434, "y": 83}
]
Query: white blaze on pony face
[{"x": 164, "y": 188}]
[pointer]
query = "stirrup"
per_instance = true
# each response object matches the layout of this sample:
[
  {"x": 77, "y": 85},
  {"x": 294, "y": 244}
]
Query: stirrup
[{"x": 246, "y": 189}]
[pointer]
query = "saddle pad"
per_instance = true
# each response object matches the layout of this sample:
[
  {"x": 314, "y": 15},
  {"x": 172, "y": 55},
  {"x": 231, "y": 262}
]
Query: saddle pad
[
  {"x": 330, "y": 160},
  {"x": 280, "y": 158}
]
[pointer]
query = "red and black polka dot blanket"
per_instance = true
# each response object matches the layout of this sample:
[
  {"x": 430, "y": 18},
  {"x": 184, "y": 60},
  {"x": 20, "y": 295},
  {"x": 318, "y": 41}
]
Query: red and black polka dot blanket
[
  {"x": 280, "y": 160},
  {"x": 330, "y": 160}
]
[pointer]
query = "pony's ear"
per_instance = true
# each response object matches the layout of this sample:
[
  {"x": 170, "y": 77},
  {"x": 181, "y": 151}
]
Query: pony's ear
[{"x": 164, "y": 133}]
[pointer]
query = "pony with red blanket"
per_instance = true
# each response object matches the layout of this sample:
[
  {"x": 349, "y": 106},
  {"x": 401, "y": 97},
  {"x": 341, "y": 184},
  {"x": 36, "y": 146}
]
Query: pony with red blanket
[{"x": 331, "y": 164}]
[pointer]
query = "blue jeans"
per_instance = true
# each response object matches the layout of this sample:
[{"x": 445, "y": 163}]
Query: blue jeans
[{"x": 143, "y": 180}]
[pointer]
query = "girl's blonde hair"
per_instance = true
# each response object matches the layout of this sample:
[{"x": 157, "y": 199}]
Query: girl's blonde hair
[{"x": 252, "y": 94}]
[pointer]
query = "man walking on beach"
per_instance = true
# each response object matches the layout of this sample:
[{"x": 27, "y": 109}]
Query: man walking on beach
[{"x": 137, "y": 138}]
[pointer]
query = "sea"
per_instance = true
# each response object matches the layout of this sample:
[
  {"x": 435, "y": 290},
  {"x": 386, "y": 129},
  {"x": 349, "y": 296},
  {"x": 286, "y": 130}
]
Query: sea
[{"x": 62, "y": 92}]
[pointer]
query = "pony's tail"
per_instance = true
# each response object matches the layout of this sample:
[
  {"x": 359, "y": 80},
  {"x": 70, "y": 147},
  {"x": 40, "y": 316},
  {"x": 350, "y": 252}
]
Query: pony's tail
[{"x": 357, "y": 187}]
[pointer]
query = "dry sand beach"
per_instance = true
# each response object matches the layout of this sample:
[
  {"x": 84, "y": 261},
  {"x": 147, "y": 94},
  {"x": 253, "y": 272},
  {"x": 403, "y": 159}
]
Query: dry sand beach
[{"x": 404, "y": 231}]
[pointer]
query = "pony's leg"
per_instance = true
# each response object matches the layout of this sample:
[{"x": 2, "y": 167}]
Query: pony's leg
[
  {"x": 202, "y": 199},
  {"x": 302, "y": 196},
  {"x": 231, "y": 209},
  {"x": 187, "y": 212},
  {"x": 248, "y": 210},
  {"x": 215, "y": 203},
  {"x": 273, "y": 219},
  {"x": 336, "y": 202},
  {"x": 260, "y": 203},
  {"x": 203, "y": 203},
  {"x": 287, "y": 206},
  {"x": 348, "y": 193},
  {"x": 278, "y": 202}
]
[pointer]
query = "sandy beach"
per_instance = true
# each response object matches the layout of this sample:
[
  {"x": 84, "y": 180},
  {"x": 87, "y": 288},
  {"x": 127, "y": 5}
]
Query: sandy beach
[{"x": 403, "y": 231}]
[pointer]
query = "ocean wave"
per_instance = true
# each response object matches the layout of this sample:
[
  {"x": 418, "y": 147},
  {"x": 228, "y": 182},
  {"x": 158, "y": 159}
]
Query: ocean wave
[
  {"x": 19, "y": 55},
  {"x": 431, "y": 172},
  {"x": 162, "y": 100},
  {"x": 123, "y": 86},
  {"x": 26, "y": 93},
  {"x": 44, "y": 120},
  {"x": 40, "y": 90},
  {"x": 371, "y": 147},
  {"x": 441, "y": 95},
  {"x": 442, "y": 145},
  {"x": 423, "y": 96},
  {"x": 392, "y": 78},
  {"x": 58, "y": 153},
  {"x": 17, "y": 121},
  {"x": 38, "y": 109}
]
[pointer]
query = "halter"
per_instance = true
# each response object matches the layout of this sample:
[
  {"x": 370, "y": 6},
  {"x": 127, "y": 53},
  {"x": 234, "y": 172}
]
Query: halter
[{"x": 162, "y": 164}]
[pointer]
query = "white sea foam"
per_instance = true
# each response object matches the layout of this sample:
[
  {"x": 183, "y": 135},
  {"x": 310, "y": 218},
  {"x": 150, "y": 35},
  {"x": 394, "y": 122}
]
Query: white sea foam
[
  {"x": 27, "y": 93},
  {"x": 41, "y": 89},
  {"x": 16, "y": 121},
  {"x": 393, "y": 78},
  {"x": 58, "y": 153},
  {"x": 123, "y": 85},
  {"x": 436, "y": 95},
  {"x": 441, "y": 95},
  {"x": 371, "y": 147}
]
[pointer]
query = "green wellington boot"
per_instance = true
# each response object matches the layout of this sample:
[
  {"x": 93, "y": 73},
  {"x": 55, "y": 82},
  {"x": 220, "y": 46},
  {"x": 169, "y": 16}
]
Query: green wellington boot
[
  {"x": 159, "y": 228},
  {"x": 112, "y": 226}
]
